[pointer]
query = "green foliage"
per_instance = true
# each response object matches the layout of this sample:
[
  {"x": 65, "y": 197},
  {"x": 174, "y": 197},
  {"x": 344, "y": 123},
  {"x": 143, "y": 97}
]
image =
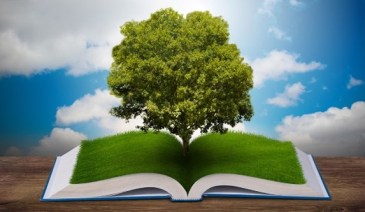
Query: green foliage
[
  {"x": 181, "y": 74},
  {"x": 139, "y": 152}
]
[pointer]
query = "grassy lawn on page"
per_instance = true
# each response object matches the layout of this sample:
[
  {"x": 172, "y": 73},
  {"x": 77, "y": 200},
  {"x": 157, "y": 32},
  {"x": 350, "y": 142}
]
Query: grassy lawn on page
[
  {"x": 139, "y": 152},
  {"x": 245, "y": 154}
]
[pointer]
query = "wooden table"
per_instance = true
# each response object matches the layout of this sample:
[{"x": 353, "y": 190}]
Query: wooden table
[{"x": 22, "y": 180}]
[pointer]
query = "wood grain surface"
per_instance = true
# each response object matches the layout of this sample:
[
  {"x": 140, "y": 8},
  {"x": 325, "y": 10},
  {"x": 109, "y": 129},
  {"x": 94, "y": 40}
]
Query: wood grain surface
[{"x": 22, "y": 180}]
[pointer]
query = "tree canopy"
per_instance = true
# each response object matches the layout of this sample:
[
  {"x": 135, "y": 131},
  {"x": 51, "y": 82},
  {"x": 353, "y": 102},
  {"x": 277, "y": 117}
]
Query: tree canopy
[{"x": 181, "y": 74}]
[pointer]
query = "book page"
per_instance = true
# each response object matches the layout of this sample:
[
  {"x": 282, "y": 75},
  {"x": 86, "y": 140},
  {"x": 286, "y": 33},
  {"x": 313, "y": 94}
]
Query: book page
[
  {"x": 62, "y": 172},
  {"x": 59, "y": 186},
  {"x": 118, "y": 185}
]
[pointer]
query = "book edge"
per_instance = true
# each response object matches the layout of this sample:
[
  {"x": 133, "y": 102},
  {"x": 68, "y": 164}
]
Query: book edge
[
  {"x": 268, "y": 196},
  {"x": 106, "y": 198},
  {"x": 47, "y": 182},
  {"x": 329, "y": 196}
]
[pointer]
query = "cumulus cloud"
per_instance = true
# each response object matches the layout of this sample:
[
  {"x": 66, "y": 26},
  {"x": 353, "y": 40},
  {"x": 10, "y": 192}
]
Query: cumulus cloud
[
  {"x": 313, "y": 80},
  {"x": 58, "y": 142},
  {"x": 43, "y": 36},
  {"x": 95, "y": 107},
  {"x": 21, "y": 57},
  {"x": 335, "y": 132},
  {"x": 278, "y": 64},
  {"x": 289, "y": 97},
  {"x": 116, "y": 125},
  {"x": 88, "y": 107},
  {"x": 12, "y": 51},
  {"x": 267, "y": 7},
  {"x": 295, "y": 3},
  {"x": 240, "y": 127},
  {"x": 279, "y": 34},
  {"x": 353, "y": 82}
]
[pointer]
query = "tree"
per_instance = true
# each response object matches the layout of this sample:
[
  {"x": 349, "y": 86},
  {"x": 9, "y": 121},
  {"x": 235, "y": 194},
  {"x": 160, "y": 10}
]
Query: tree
[{"x": 180, "y": 74}]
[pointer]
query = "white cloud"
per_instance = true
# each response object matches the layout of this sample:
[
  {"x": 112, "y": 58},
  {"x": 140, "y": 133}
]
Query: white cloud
[
  {"x": 88, "y": 107},
  {"x": 278, "y": 64},
  {"x": 58, "y": 142},
  {"x": 335, "y": 132},
  {"x": 196, "y": 134},
  {"x": 96, "y": 107},
  {"x": 289, "y": 97},
  {"x": 91, "y": 59},
  {"x": 313, "y": 80},
  {"x": 353, "y": 82},
  {"x": 116, "y": 125},
  {"x": 267, "y": 7},
  {"x": 38, "y": 36},
  {"x": 295, "y": 3},
  {"x": 12, "y": 50},
  {"x": 13, "y": 151},
  {"x": 240, "y": 127},
  {"x": 91, "y": 107},
  {"x": 21, "y": 57},
  {"x": 279, "y": 34},
  {"x": 56, "y": 34}
]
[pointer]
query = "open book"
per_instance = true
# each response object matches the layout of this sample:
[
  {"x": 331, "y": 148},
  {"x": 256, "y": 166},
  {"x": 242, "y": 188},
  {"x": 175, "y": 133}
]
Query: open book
[{"x": 158, "y": 186}]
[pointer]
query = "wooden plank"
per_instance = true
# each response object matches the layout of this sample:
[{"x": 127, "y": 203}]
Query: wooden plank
[{"x": 22, "y": 180}]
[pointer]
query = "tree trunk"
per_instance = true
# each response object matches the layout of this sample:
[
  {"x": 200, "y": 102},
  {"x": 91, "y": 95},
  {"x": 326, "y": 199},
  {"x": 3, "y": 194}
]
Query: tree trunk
[
  {"x": 186, "y": 147},
  {"x": 185, "y": 136}
]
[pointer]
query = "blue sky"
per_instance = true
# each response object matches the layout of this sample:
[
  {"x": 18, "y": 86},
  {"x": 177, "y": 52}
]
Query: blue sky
[{"x": 308, "y": 59}]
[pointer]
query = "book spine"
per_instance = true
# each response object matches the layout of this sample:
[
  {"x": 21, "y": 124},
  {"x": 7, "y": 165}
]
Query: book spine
[{"x": 186, "y": 200}]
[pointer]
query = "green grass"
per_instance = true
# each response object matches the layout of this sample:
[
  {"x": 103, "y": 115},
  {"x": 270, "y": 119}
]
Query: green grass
[
  {"x": 245, "y": 154},
  {"x": 133, "y": 152},
  {"x": 138, "y": 152}
]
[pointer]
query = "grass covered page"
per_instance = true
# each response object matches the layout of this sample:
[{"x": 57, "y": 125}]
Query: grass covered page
[{"x": 139, "y": 165}]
